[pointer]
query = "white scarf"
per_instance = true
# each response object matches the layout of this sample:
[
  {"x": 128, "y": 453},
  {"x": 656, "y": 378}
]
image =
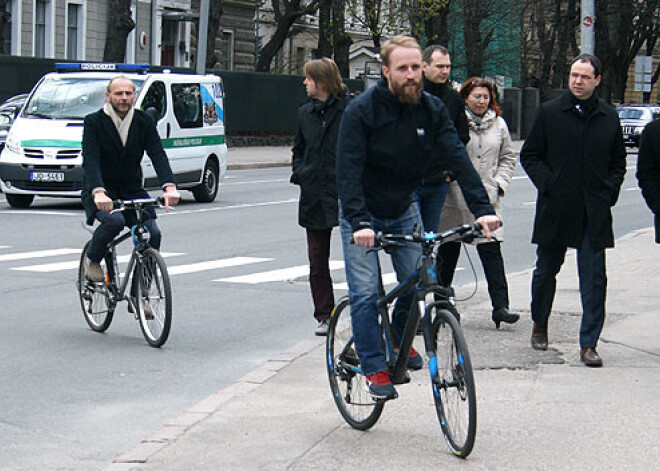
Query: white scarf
[{"x": 122, "y": 125}]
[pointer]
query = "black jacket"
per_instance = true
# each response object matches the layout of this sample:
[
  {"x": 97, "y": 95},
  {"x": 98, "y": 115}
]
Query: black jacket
[
  {"x": 436, "y": 168},
  {"x": 577, "y": 162},
  {"x": 109, "y": 164},
  {"x": 648, "y": 170},
  {"x": 383, "y": 150},
  {"x": 313, "y": 162}
]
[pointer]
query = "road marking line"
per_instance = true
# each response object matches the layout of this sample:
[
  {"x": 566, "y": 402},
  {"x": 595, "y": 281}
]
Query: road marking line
[
  {"x": 213, "y": 264},
  {"x": 73, "y": 264},
  {"x": 279, "y": 180},
  {"x": 389, "y": 279},
  {"x": 237, "y": 206},
  {"x": 41, "y": 213},
  {"x": 283, "y": 274},
  {"x": 5, "y": 246},
  {"x": 37, "y": 254}
]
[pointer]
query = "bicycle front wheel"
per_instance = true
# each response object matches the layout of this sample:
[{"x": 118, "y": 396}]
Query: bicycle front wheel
[
  {"x": 154, "y": 297},
  {"x": 453, "y": 384},
  {"x": 94, "y": 298},
  {"x": 347, "y": 382}
]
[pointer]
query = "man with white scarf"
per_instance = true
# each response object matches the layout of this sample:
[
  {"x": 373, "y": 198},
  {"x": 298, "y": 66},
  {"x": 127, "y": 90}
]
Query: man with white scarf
[{"x": 115, "y": 139}]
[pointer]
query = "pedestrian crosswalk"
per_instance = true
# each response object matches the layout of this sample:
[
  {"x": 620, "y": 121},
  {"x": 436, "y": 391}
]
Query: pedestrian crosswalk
[{"x": 231, "y": 270}]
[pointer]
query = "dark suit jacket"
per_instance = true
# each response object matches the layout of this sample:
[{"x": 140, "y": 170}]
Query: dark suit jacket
[
  {"x": 648, "y": 170},
  {"x": 109, "y": 164}
]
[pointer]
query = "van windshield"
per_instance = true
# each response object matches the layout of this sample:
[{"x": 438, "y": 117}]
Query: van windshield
[
  {"x": 68, "y": 97},
  {"x": 630, "y": 113}
]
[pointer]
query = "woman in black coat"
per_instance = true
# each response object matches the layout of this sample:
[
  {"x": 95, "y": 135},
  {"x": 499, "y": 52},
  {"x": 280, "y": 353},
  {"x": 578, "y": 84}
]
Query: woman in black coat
[
  {"x": 313, "y": 169},
  {"x": 648, "y": 171}
]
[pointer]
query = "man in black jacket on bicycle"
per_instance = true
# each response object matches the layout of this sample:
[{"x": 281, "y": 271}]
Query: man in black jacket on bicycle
[
  {"x": 385, "y": 139},
  {"x": 115, "y": 139}
]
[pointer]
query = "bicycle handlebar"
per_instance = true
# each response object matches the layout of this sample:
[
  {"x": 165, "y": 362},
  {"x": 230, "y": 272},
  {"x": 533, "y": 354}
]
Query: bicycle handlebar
[
  {"x": 139, "y": 203},
  {"x": 465, "y": 232}
]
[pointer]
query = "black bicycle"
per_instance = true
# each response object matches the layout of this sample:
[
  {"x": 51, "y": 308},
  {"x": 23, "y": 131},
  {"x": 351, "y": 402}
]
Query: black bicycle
[
  {"x": 433, "y": 311},
  {"x": 150, "y": 294}
]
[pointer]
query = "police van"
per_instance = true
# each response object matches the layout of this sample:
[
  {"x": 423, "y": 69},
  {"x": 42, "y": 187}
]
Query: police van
[{"x": 43, "y": 151}]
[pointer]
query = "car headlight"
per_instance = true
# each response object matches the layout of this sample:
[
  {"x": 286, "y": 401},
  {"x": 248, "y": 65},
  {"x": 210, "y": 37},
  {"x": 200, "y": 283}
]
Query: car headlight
[
  {"x": 639, "y": 129},
  {"x": 13, "y": 144}
]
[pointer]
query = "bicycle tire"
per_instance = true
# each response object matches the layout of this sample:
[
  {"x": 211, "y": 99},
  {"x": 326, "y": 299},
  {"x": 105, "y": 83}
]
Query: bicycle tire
[
  {"x": 94, "y": 299},
  {"x": 154, "y": 295},
  {"x": 347, "y": 382},
  {"x": 453, "y": 385}
]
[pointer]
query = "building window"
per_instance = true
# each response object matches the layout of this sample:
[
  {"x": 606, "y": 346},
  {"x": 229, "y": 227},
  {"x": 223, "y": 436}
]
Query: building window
[
  {"x": 227, "y": 50},
  {"x": 73, "y": 30},
  {"x": 5, "y": 47},
  {"x": 40, "y": 28},
  {"x": 187, "y": 105}
]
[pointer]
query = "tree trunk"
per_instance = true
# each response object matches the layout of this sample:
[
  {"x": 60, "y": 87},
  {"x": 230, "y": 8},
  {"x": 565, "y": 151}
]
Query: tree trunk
[
  {"x": 324, "y": 48},
  {"x": 120, "y": 23},
  {"x": 4, "y": 19},
  {"x": 215, "y": 14},
  {"x": 435, "y": 25},
  {"x": 341, "y": 41},
  {"x": 474, "y": 12}
]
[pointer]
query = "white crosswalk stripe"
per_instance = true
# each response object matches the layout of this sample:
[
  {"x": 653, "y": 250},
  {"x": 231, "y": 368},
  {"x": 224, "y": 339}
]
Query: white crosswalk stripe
[
  {"x": 389, "y": 279},
  {"x": 73, "y": 264},
  {"x": 213, "y": 264},
  {"x": 10, "y": 257},
  {"x": 283, "y": 274}
]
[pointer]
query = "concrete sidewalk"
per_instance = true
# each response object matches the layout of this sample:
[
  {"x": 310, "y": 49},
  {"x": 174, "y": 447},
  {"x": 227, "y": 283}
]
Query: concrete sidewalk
[{"x": 536, "y": 410}]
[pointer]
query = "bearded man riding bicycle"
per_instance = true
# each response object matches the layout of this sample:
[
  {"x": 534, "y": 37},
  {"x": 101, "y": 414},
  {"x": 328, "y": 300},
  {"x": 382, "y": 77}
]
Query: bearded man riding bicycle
[
  {"x": 115, "y": 139},
  {"x": 385, "y": 138}
]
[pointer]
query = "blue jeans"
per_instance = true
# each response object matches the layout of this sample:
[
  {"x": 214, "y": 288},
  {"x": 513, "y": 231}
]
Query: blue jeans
[
  {"x": 430, "y": 199},
  {"x": 593, "y": 287},
  {"x": 362, "y": 277}
]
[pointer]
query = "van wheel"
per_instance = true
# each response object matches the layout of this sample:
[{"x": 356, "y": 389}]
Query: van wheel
[
  {"x": 208, "y": 189},
  {"x": 19, "y": 201}
]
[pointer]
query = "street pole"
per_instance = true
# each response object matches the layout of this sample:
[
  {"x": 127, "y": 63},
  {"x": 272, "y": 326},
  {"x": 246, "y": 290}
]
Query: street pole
[
  {"x": 202, "y": 36},
  {"x": 587, "y": 27}
]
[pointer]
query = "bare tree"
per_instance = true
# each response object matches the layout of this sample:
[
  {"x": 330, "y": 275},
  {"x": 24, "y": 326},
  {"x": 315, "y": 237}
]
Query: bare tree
[
  {"x": 428, "y": 19},
  {"x": 379, "y": 17},
  {"x": 341, "y": 41},
  {"x": 477, "y": 34},
  {"x": 286, "y": 13},
  {"x": 324, "y": 48},
  {"x": 216, "y": 9},
  {"x": 120, "y": 23}
]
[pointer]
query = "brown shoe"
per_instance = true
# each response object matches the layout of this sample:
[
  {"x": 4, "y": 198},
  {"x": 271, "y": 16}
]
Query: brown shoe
[
  {"x": 590, "y": 357},
  {"x": 539, "y": 337},
  {"x": 94, "y": 271}
]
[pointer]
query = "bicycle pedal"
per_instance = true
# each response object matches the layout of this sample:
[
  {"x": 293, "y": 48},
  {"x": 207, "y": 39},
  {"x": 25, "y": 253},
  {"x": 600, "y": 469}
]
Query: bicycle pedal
[{"x": 405, "y": 379}]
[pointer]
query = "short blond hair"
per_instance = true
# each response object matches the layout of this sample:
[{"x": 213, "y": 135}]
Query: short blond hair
[{"x": 393, "y": 43}]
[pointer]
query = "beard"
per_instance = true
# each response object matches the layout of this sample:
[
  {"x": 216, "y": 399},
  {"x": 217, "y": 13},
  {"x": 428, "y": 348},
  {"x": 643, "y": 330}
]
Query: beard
[{"x": 406, "y": 94}]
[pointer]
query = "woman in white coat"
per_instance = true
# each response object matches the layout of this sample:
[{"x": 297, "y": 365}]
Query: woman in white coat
[{"x": 493, "y": 157}]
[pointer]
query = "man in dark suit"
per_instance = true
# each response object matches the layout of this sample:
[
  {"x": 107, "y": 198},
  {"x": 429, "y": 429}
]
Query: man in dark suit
[
  {"x": 114, "y": 141},
  {"x": 648, "y": 171},
  {"x": 575, "y": 157}
]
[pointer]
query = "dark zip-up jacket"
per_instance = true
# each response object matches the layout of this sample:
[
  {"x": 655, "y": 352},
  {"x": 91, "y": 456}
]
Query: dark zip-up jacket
[
  {"x": 313, "y": 162},
  {"x": 382, "y": 152}
]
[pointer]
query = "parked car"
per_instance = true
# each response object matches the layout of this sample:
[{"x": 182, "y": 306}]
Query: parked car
[
  {"x": 634, "y": 118},
  {"x": 8, "y": 112}
]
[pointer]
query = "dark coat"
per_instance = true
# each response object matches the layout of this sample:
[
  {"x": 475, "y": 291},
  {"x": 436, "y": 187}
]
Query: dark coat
[
  {"x": 108, "y": 164},
  {"x": 382, "y": 152},
  {"x": 577, "y": 164},
  {"x": 648, "y": 171},
  {"x": 435, "y": 171},
  {"x": 313, "y": 163}
]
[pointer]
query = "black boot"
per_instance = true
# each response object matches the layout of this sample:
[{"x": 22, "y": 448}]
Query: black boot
[
  {"x": 503, "y": 315},
  {"x": 539, "y": 337}
]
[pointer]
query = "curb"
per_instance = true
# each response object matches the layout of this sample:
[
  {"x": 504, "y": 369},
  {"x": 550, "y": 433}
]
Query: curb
[
  {"x": 248, "y": 166},
  {"x": 174, "y": 428}
]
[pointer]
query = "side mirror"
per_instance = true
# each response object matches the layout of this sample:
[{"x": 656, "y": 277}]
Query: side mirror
[{"x": 151, "y": 111}]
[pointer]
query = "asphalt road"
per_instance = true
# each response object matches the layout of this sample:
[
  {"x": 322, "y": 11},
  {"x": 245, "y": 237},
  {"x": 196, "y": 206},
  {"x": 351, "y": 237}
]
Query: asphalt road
[{"x": 74, "y": 399}]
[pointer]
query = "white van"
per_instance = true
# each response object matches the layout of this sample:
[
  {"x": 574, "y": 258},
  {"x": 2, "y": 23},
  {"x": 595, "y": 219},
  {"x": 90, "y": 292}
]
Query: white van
[{"x": 42, "y": 154}]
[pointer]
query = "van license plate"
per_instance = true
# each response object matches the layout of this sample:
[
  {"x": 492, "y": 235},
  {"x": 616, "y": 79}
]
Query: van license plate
[{"x": 46, "y": 176}]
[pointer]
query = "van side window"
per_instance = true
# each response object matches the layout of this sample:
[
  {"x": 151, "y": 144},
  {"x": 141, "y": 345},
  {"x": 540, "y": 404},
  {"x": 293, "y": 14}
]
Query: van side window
[
  {"x": 187, "y": 105},
  {"x": 155, "y": 98}
]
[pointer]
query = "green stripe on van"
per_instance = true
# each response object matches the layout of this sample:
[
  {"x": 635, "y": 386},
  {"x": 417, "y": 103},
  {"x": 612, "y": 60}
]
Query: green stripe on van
[
  {"x": 51, "y": 143},
  {"x": 177, "y": 142}
]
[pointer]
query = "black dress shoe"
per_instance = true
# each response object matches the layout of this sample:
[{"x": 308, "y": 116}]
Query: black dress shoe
[
  {"x": 590, "y": 357},
  {"x": 503, "y": 315},
  {"x": 539, "y": 337}
]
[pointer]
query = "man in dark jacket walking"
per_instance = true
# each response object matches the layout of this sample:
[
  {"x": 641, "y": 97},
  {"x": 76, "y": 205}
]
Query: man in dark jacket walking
[
  {"x": 313, "y": 169},
  {"x": 648, "y": 171},
  {"x": 576, "y": 158},
  {"x": 385, "y": 140},
  {"x": 115, "y": 139},
  {"x": 430, "y": 194}
]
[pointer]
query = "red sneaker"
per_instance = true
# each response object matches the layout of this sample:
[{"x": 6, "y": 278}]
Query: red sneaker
[{"x": 380, "y": 386}]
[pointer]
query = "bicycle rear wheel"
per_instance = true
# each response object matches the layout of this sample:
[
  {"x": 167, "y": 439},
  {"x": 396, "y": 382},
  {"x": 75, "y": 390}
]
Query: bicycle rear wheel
[
  {"x": 347, "y": 382},
  {"x": 94, "y": 298},
  {"x": 453, "y": 384},
  {"x": 154, "y": 297}
]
